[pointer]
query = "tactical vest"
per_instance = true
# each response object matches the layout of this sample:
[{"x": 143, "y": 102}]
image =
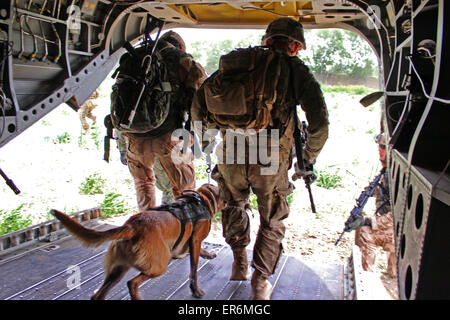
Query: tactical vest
[{"x": 189, "y": 207}]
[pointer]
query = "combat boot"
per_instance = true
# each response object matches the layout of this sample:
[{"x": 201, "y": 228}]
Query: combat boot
[
  {"x": 261, "y": 287},
  {"x": 240, "y": 269}
]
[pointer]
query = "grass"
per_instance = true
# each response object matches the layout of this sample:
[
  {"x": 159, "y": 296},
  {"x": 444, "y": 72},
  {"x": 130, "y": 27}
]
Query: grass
[
  {"x": 253, "y": 200},
  {"x": 218, "y": 216},
  {"x": 112, "y": 204},
  {"x": 200, "y": 168},
  {"x": 14, "y": 220},
  {"x": 93, "y": 184},
  {"x": 328, "y": 180},
  {"x": 63, "y": 138},
  {"x": 350, "y": 89},
  {"x": 95, "y": 135}
]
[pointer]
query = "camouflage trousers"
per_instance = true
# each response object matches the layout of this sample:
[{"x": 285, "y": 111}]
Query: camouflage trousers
[
  {"x": 163, "y": 183},
  {"x": 86, "y": 112},
  {"x": 381, "y": 234},
  {"x": 141, "y": 156},
  {"x": 235, "y": 183}
]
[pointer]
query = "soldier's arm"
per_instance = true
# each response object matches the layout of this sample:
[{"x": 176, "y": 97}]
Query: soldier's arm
[
  {"x": 311, "y": 99},
  {"x": 199, "y": 112},
  {"x": 192, "y": 73}
]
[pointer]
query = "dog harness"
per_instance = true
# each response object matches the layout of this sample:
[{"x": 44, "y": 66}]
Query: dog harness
[{"x": 189, "y": 207}]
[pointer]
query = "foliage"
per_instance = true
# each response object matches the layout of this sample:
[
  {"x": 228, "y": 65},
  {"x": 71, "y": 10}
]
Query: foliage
[
  {"x": 350, "y": 90},
  {"x": 95, "y": 135},
  {"x": 112, "y": 205},
  {"x": 62, "y": 138},
  {"x": 93, "y": 184},
  {"x": 45, "y": 123},
  {"x": 290, "y": 199},
  {"x": 329, "y": 52},
  {"x": 253, "y": 200},
  {"x": 13, "y": 220},
  {"x": 209, "y": 52},
  {"x": 338, "y": 52},
  {"x": 327, "y": 179},
  {"x": 200, "y": 168},
  {"x": 218, "y": 216}
]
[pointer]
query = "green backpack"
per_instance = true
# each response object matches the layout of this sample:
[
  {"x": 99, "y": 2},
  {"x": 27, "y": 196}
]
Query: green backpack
[
  {"x": 140, "y": 100},
  {"x": 241, "y": 94}
]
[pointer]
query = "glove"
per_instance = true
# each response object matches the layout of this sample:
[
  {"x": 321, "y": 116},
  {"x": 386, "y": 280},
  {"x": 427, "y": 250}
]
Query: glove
[
  {"x": 123, "y": 158},
  {"x": 307, "y": 174},
  {"x": 357, "y": 223}
]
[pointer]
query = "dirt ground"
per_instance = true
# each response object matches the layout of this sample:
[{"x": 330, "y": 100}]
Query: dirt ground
[{"x": 49, "y": 175}]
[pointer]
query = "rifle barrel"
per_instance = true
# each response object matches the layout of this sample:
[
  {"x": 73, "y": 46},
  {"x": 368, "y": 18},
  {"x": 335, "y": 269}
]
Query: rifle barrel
[
  {"x": 9, "y": 182},
  {"x": 339, "y": 239},
  {"x": 313, "y": 206}
]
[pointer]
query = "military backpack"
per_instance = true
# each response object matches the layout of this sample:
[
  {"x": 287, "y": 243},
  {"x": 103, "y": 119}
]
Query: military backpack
[
  {"x": 241, "y": 93},
  {"x": 141, "y": 95}
]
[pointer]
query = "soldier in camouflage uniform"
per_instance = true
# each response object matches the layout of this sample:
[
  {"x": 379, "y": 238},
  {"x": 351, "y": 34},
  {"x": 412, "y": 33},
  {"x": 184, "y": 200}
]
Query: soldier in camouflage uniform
[
  {"x": 296, "y": 85},
  {"x": 187, "y": 75},
  {"x": 162, "y": 181},
  {"x": 86, "y": 111},
  {"x": 380, "y": 233}
]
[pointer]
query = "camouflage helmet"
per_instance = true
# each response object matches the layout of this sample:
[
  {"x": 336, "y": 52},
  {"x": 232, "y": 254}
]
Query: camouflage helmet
[
  {"x": 175, "y": 39},
  {"x": 285, "y": 27}
]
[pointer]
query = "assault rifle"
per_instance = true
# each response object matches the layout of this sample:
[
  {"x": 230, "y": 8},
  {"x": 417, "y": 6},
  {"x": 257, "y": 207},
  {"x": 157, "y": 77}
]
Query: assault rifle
[
  {"x": 356, "y": 219},
  {"x": 300, "y": 138}
]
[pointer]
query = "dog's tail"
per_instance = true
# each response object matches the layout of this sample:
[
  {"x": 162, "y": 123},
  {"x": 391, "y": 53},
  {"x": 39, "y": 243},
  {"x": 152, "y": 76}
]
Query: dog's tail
[{"x": 91, "y": 237}]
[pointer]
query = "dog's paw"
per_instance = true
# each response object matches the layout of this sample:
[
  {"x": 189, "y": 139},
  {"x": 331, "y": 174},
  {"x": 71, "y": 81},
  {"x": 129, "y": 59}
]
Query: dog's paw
[
  {"x": 207, "y": 255},
  {"x": 198, "y": 293}
]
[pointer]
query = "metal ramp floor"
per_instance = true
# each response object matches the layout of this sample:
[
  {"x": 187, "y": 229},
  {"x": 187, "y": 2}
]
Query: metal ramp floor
[{"x": 64, "y": 270}]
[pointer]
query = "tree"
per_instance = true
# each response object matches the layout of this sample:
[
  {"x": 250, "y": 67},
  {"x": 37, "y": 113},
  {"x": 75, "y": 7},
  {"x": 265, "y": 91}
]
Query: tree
[
  {"x": 208, "y": 53},
  {"x": 329, "y": 52},
  {"x": 338, "y": 52}
]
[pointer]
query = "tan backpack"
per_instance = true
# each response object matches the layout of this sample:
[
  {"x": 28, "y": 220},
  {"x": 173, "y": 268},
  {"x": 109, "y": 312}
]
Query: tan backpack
[{"x": 241, "y": 94}]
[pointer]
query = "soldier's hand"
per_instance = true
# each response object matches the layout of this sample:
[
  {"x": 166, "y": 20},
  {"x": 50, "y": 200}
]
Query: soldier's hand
[
  {"x": 123, "y": 158},
  {"x": 357, "y": 223},
  {"x": 307, "y": 174}
]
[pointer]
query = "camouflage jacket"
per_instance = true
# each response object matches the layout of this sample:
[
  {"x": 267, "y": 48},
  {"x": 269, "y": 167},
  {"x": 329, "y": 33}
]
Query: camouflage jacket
[{"x": 296, "y": 86}]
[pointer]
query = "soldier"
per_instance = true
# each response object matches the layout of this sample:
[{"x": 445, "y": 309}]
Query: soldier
[
  {"x": 380, "y": 232},
  {"x": 158, "y": 143},
  {"x": 86, "y": 111},
  {"x": 161, "y": 179},
  {"x": 296, "y": 85}
]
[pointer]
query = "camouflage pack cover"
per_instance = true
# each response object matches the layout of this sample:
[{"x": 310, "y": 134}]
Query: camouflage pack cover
[{"x": 241, "y": 94}]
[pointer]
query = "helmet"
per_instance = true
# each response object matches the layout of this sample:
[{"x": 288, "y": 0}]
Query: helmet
[
  {"x": 175, "y": 39},
  {"x": 285, "y": 27}
]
